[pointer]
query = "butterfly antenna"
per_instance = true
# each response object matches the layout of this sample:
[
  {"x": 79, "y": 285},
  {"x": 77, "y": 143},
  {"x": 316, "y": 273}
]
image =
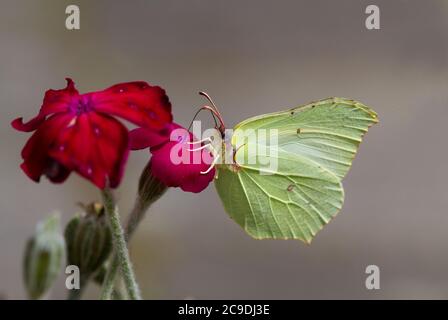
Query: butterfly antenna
[
  {"x": 196, "y": 115},
  {"x": 215, "y": 111}
]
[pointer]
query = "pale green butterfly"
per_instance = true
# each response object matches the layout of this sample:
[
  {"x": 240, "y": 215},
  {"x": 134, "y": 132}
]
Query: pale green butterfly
[{"x": 314, "y": 147}]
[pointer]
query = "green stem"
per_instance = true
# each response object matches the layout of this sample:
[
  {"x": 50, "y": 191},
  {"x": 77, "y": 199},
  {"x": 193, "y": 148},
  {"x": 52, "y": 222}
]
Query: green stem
[
  {"x": 116, "y": 295},
  {"x": 109, "y": 282},
  {"x": 121, "y": 251},
  {"x": 150, "y": 190}
]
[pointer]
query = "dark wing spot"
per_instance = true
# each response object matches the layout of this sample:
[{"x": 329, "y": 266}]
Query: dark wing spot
[{"x": 298, "y": 130}]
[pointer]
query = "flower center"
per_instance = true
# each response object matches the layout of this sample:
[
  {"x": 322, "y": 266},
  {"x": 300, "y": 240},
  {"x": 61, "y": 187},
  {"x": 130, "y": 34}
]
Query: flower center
[{"x": 81, "y": 105}]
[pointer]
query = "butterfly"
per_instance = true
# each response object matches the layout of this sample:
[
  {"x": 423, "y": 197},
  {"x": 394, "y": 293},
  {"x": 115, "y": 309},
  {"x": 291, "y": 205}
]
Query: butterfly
[{"x": 312, "y": 147}]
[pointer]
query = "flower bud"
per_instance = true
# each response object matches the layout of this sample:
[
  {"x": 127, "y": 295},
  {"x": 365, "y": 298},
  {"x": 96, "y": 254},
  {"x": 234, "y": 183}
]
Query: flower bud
[
  {"x": 149, "y": 187},
  {"x": 149, "y": 190},
  {"x": 88, "y": 239},
  {"x": 43, "y": 257}
]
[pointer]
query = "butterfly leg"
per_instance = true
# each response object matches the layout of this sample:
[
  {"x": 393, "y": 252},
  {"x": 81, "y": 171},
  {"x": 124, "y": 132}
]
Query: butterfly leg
[
  {"x": 212, "y": 165},
  {"x": 199, "y": 148},
  {"x": 192, "y": 143},
  {"x": 211, "y": 149}
]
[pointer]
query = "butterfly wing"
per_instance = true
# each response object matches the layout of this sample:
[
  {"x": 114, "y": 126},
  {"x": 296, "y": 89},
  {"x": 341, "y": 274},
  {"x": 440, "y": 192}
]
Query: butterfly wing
[
  {"x": 328, "y": 131},
  {"x": 293, "y": 202},
  {"x": 312, "y": 151}
]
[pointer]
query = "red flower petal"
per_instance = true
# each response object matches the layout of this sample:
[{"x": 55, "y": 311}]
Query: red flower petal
[
  {"x": 81, "y": 135},
  {"x": 142, "y": 138},
  {"x": 197, "y": 183},
  {"x": 95, "y": 146},
  {"x": 35, "y": 152},
  {"x": 138, "y": 102},
  {"x": 54, "y": 101},
  {"x": 176, "y": 165}
]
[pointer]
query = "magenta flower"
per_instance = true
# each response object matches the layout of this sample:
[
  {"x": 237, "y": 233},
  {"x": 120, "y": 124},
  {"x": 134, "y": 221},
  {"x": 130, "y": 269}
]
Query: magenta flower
[
  {"x": 78, "y": 132},
  {"x": 176, "y": 161}
]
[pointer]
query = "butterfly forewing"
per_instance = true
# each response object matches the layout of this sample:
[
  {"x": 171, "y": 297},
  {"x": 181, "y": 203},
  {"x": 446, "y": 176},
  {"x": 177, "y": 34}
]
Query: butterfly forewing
[{"x": 328, "y": 131}]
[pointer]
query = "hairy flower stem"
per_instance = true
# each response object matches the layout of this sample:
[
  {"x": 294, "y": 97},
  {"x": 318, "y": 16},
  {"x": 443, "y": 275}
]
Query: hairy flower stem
[
  {"x": 109, "y": 281},
  {"x": 150, "y": 189},
  {"x": 121, "y": 251}
]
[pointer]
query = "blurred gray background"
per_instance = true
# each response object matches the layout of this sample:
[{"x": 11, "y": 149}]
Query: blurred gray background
[{"x": 253, "y": 57}]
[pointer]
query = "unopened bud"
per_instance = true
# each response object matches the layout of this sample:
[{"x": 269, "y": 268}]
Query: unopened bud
[
  {"x": 43, "y": 259},
  {"x": 88, "y": 239},
  {"x": 149, "y": 190}
]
